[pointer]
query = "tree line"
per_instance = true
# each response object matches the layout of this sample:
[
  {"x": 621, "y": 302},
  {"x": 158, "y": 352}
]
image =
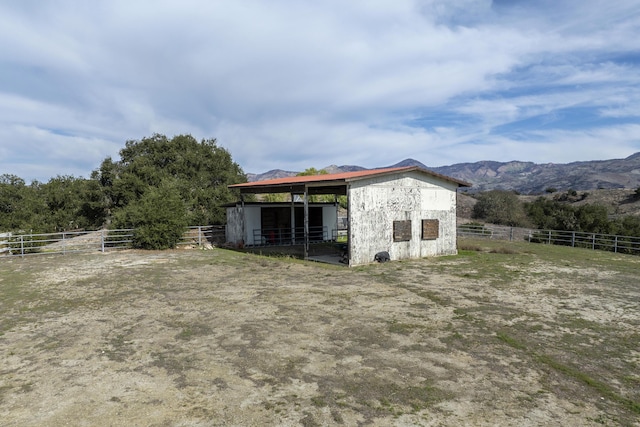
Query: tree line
[
  {"x": 158, "y": 186},
  {"x": 505, "y": 208}
]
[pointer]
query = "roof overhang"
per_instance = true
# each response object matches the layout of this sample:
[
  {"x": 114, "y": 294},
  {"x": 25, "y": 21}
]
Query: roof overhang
[
  {"x": 339, "y": 188},
  {"x": 329, "y": 183}
]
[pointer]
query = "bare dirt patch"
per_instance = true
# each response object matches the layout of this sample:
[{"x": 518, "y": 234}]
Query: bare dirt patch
[{"x": 211, "y": 338}]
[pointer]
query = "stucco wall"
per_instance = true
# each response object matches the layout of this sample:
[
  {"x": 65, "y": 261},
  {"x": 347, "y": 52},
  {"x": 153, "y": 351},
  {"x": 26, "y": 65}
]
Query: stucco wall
[
  {"x": 253, "y": 222},
  {"x": 330, "y": 220},
  {"x": 374, "y": 204},
  {"x": 235, "y": 219}
]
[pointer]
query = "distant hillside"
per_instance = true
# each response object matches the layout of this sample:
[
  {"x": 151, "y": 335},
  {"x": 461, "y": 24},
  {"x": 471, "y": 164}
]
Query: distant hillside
[
  {"x": 619, "y": 202},
  {"x": 279, "y": 173},
  {"x": 272, "y": 174},
  {"x": 532, "y": 178},
  {"x": 524, "y": 177}
]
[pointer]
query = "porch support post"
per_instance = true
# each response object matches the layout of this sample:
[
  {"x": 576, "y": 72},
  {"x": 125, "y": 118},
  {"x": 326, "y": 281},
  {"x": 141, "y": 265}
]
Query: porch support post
[
  {"x": 306, "y": 222},
  {"x": 349, "y": 239},
  {"x": 244, "y": 220},
  {"x": 335, "y": 202},
  {"x": 293, "y": 220}
]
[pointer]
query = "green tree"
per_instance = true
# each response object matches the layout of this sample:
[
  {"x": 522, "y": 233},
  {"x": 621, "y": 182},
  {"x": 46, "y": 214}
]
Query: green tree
[
  {"x": 551, "y": 214},
  {"x": 275, "y": 197},
  {"x": 500, "y": 207},
  {"x": 554, "y": 215},
  {"x": 13, "y": 192},
  {"x": 593, "y": 218},
  {"x": 323, "y": 198},
  {"x": 312, "y": 171},
  {"x": 628, "y": 225},
  {"x": 67, "y": 204},
  {"x": 12, "y": 189},
  {"x": 200, "y": 172},
  {"x": 158, "y": 218},
  {"x": 22, "y": 207}
]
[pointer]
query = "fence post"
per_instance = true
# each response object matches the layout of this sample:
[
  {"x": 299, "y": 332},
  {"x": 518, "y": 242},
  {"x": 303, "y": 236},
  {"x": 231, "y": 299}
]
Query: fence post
[
  {"x": 22, "y": 246},
  {"x": 549, "y": 239},
  {"x": 102, "y": 241},
  {"x": 511, "y": 234},
  {"x": 573, "y": 239},
  {"x": 615, "y": 244},
  {"x": 200, "y": 236},
  {"x": 64, "y": 245},
  {"x": 593, "y": 241}
]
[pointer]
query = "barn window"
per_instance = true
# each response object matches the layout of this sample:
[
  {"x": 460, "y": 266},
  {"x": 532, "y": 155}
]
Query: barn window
[
  {"x": 402, "y": 231},
  {"x": 430, "y": 229}
]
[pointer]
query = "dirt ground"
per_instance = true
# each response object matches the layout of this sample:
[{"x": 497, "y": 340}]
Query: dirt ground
[{"x": 219, "y": 338}]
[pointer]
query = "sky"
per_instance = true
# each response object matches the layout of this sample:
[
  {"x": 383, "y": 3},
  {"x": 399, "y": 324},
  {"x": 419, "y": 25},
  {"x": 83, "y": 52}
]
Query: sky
[{"x": 290, "y": 84}]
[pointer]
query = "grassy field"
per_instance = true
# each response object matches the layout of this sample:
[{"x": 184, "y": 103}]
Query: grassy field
[{"x": 502, "y": 334}]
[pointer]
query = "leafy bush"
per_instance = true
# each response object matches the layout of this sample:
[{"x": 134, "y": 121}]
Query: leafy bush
[
  {"x": 554, "y": 215},
  {"x": 159, "y": 218},
  {"x": 500, "y": 207},
  {"x": 201, "y": 171}
]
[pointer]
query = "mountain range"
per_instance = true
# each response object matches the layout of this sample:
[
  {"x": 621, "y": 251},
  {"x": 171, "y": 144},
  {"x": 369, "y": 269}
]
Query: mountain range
[{"x": 523, "y": 177}]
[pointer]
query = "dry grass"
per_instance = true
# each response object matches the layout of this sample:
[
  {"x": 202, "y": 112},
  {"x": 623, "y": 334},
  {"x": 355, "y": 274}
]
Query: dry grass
[{"x": 502, "y": 334}]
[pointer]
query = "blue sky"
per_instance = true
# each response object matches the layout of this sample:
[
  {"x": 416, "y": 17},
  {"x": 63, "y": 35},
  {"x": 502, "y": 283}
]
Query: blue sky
[{"x": 290, "y": 85}]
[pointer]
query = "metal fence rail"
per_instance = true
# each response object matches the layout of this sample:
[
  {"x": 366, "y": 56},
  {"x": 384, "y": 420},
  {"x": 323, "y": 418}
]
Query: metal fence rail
[
  {"x": 69, "y": 242},
  {"x": 287, "y": 236},
  {"x": 203, "y": 236},
  {"x": 576, "y": 239}
]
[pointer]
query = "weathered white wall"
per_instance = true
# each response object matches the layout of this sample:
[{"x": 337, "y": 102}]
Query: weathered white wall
[
  {"x": 253, "y": 220},
  {"x": 236, "y": 232},
  {"x": 375, "y": 203},
  {"x": 330, "y": 220},
  {"x": 235, "y": 219}
]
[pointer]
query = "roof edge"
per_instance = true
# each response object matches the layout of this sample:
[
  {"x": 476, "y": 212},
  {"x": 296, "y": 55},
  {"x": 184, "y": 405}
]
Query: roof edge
[
  {"x": 343, "y": 177},
  {"x": 384, "y": 172}
]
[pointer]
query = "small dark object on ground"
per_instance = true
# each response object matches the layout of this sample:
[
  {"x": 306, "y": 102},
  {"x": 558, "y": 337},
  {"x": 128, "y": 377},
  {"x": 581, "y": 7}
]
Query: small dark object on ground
[
  {"x": 344, "y": 252},
  {"x": 382, "y": 256}
]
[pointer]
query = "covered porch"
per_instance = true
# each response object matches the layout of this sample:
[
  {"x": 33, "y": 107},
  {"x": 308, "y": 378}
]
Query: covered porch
[{"x": 301, "y": 227}]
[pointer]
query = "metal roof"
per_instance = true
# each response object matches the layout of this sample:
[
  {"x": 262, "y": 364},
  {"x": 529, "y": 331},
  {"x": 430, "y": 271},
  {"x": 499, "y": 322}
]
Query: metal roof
[{"x": 335, "y": 183}]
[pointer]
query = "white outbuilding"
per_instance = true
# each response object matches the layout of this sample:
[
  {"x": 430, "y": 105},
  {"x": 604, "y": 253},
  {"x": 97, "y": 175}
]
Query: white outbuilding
[{"x": 408, "y": 212}]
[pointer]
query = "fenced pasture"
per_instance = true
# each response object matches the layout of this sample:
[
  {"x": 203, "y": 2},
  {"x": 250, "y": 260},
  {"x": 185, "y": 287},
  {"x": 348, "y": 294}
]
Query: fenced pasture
[
  {"x": 575, "y": 239},
  {"x": 505, "y": 333},
  {"x": 70, "y": 242}
]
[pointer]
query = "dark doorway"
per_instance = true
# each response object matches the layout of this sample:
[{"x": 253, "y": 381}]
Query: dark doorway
[
  {"x": 275, "y": 223},
  {"x": 316, "y": 233}
]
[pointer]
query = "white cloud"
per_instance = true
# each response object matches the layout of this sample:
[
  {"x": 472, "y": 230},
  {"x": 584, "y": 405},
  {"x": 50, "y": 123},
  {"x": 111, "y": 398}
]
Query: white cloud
[
  {"x": 40, "y": 154},
  {"x": 289, "y": 85}
]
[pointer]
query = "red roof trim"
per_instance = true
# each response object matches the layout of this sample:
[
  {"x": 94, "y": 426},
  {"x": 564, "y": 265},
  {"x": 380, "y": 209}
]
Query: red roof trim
[{"x": 343, "y": 176}]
